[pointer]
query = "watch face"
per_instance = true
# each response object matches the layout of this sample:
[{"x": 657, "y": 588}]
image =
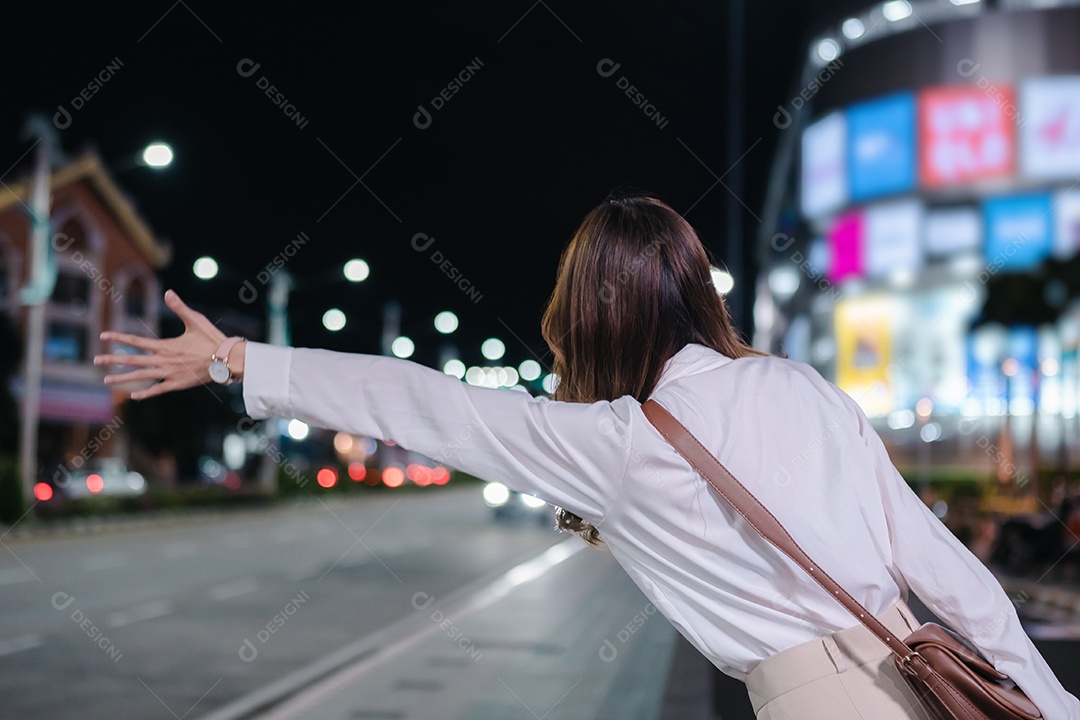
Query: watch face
[{"x": 219, "y": 371}]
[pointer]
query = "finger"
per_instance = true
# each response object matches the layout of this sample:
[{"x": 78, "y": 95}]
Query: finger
[
  {"x": 178, "y": 306},
  {"x": 135, "y": 341},
  {"x": 135, "y": 376},
  {"x": 160, "y": 389},
  {"x": 127, "y": 359}
]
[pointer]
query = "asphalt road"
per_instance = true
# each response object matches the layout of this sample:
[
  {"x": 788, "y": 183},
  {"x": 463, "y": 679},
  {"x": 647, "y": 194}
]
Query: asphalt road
[
  {"x": 397, "y": 607},
  {"x": 179, "y": 620}
]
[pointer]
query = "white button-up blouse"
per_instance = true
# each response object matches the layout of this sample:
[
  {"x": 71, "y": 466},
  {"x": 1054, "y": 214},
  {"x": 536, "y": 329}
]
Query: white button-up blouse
[{"x": 799, "y": 444}]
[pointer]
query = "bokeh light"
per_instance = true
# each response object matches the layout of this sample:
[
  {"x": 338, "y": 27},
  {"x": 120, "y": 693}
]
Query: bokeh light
[
  {"x": 95, "y": 483},
  {"x": 297, "y": 429},
  {"x": 530, "y": 370},
  {"x": 157, "y": 155},
  {"x": 357, "y": 271},
  {"x": 454, "y": 367},
  {"x": 493, "y": 348},
  {"x": 326, "y": 477},
  {"x": 446, "y": 322},
  {"x": 333, "y": 320},
  {"x": 205, "y": 268},
  {"x": 402, "y": 347},
  {"x": 393, "y": 477}
]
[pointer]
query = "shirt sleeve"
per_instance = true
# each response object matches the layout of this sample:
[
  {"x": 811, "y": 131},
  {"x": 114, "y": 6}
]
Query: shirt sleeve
[
  {"x": 572, "y": 455},
  {"x": 957, "y": 587}
]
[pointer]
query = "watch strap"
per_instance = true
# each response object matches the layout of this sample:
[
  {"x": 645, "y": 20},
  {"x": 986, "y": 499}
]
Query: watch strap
[{"x": 223, "y": 351}]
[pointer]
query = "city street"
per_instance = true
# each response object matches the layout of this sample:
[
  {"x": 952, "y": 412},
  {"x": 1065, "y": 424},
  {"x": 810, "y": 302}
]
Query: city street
[
  {"x": 190, "y": 620},
  {"x": 248, "y": 246},
  {"x": 410, "y": 606}
]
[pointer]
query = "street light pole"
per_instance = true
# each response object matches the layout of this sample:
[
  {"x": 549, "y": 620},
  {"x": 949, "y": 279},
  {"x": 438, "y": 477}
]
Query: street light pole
[
  {"x": 277, "y": 333},
  {"x": 391, "y": 326},
  {"x": 41, "y": 278}
]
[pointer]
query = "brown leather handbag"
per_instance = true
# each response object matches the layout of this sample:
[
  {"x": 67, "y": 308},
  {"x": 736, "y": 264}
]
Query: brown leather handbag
[{"x": 951, "y": 679}]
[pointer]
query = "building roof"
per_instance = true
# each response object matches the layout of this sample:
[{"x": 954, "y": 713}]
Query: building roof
[{"x": 90, "y": 168}]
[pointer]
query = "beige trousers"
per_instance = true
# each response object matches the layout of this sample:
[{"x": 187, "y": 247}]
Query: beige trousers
[{"x": 848, "y": 675}]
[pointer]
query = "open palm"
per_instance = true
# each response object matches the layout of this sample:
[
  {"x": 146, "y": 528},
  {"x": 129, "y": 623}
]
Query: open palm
[{"x": 176, "y": 363}]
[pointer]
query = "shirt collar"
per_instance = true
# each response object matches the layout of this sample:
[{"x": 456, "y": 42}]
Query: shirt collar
[{"x": 692, "y": 359}]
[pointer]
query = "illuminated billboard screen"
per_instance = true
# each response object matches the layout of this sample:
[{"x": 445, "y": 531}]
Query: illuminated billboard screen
[
  {"x": 846, "y": 248},
  {"x": 881, "y": 146},
  {"x": 1067, "y": 224},
  {"x": 934, "y": 166},
  {"x": 952, "y": 230},
  {"x": 891, "y": 233},
  {"x": 965, "y": 134},
  {"x": 1050, "y": 128},
  {"x": 863, "y": 330},
  {"x": 824, "y": 170},
  {"x": 1019, "y": 232}
]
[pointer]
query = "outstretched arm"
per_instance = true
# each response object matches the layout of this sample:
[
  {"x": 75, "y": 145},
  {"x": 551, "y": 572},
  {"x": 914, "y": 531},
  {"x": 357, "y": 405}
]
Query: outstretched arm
[{"x": 570, "y": 454}]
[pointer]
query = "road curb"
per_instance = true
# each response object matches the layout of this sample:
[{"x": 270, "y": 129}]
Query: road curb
[
  {"x": 100, "y": 524},
  {"x": 94, "y": 525}
]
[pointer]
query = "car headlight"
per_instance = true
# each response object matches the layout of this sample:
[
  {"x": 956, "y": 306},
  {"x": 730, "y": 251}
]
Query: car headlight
[
  {"x": 496, "y": 494},
  {"x": 532, "y": 502},
  {"x": 136, "y": 481}
]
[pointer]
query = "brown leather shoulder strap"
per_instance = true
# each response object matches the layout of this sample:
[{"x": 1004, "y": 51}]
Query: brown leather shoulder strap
[{"x": 759, "y": 517}]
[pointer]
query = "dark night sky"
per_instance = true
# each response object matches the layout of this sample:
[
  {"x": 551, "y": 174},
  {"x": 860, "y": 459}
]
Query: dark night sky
[{"x": 500, "y": 179}]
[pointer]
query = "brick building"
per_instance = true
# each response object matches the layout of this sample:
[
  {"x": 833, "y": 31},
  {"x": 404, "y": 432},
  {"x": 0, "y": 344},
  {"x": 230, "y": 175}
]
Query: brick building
[{"x": 106, "y": 258}]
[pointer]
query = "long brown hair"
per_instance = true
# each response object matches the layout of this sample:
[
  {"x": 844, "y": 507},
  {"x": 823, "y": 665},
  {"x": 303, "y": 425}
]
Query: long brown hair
[{"x": 634, "y": 288}]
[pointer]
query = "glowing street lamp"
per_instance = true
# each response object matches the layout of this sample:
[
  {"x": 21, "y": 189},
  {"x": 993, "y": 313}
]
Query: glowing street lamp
[
  {"x": 333, "y": 320},
  {"x": 157, "y": 155},
  {"x": 402, "y": 347},
  {"x": 529, "y": 370},
  {"x": 357, "y": 271},
  {"x": 446, "y": 322},
  {"x": 454, "y": 367},
  {"x": 205, "y": 268},
  {"x": 493, "y": 349}
]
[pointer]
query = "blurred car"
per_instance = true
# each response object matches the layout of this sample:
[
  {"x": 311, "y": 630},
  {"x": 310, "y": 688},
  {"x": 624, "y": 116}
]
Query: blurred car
[
  {"x": 98, "y": 477},
  {"x": 212, "y": 471},
  {"x": 507, "y": 504}
]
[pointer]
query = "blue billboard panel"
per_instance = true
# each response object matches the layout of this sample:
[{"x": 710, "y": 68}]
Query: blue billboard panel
[
  {"x": 986, "y": 348},
  {"x": 881, "y": 146},
  {"x": 1019, "y": 231}
]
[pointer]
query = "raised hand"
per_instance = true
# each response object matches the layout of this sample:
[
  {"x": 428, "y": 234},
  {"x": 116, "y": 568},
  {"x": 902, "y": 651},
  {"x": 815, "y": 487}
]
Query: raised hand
[{"x": 176, "y": 363}]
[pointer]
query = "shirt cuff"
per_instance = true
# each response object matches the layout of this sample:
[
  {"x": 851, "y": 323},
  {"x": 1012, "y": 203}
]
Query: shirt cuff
[{"x": 266, "y": 380}]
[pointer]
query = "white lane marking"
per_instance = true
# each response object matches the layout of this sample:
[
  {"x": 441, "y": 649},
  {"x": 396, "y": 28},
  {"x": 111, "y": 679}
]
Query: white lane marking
[
  {"x": 146, "y": 611},
  {"x": 104, "y": 562},
  {"x": 232, "y": 589},
  {"x": 179, "y": 550},
  {"x": 13, "y": 576},
  {"x": 301, "y": 704},
  {"x": 20, "y": 643}
]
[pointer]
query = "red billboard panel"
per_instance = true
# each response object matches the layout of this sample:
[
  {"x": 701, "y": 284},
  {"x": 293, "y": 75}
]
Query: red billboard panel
[{"x": 966, "y": 134}]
